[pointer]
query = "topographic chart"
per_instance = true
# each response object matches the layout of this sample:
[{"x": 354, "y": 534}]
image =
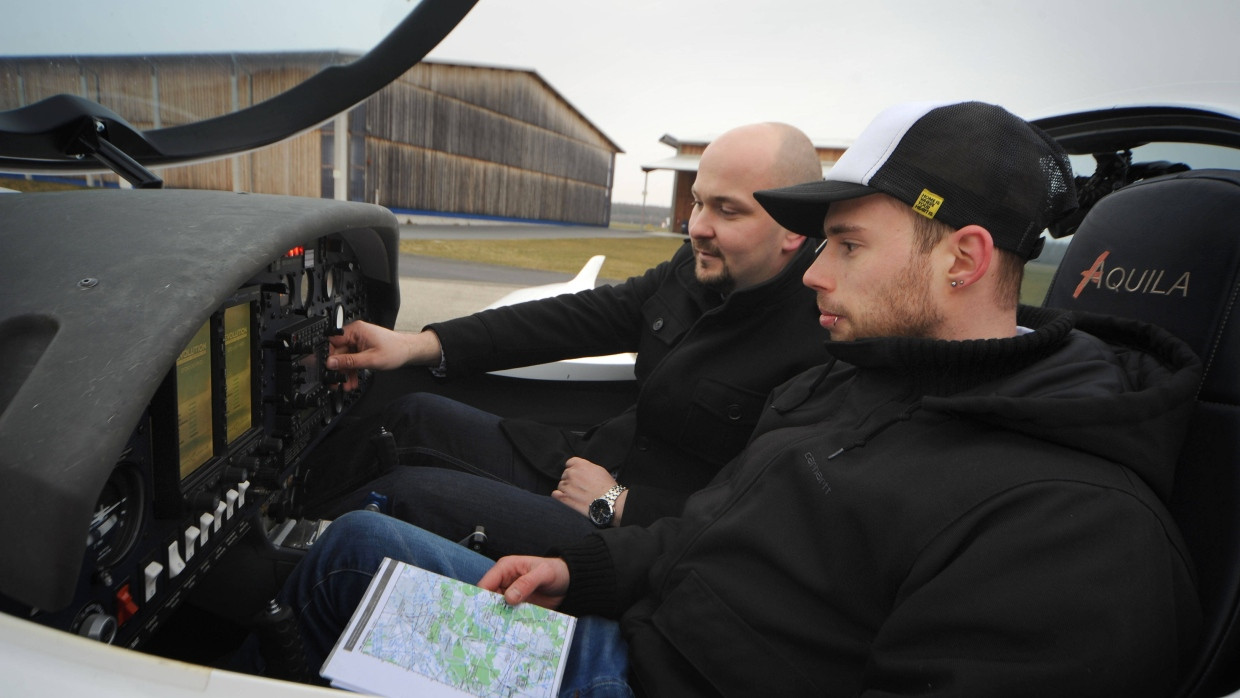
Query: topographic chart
[{"x": 457, "y": 635}]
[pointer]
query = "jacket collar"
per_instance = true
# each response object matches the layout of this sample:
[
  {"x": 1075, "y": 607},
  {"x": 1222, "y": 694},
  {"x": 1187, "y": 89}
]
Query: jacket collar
[{"x": 941, "y": 367}]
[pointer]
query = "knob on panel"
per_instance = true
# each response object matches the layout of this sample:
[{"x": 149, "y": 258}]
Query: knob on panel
[{"x": 96, "y": 624}]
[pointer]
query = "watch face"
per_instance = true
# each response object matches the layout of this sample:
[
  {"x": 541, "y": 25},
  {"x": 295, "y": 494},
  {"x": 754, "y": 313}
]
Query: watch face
[{"x": 600, "y": 512}]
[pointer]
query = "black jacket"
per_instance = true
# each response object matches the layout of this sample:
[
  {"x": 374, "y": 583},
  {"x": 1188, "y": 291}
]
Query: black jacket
[
  {"x": 942, "y": 518},
  {"x": 705, "y": 364}
]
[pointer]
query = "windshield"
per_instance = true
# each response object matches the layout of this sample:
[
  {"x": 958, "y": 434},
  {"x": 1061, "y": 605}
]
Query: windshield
[
  {"x": 146, "y": 27},
  {"x": 640, "y": 70},
  {"x": 322, "y": 32}
]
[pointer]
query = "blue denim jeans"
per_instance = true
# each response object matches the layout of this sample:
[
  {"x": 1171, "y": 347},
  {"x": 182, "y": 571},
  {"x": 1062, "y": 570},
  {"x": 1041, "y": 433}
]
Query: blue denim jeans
[{"x": 327, "y": 585}]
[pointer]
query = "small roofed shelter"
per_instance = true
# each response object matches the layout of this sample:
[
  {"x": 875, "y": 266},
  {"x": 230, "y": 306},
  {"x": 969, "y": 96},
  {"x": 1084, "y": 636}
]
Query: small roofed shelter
[
  {"x": 684, "y": 165},
  {"x": 444, "y": 138}
]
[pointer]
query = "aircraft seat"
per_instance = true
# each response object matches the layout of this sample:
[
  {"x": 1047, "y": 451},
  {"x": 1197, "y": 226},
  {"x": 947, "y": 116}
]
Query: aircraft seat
[{"x": 1167, "y": 250}]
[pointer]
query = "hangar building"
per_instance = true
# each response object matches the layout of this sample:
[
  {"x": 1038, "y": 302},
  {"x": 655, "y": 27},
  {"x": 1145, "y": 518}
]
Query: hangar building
[{"x": 444, "y": 138}]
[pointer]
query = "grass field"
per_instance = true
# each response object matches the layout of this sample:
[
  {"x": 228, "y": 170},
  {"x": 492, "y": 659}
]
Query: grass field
[
  {"x": 23, "y": 184},
  {"x": 625, "y": 257},
  {"x": 1037, "y": 280}
]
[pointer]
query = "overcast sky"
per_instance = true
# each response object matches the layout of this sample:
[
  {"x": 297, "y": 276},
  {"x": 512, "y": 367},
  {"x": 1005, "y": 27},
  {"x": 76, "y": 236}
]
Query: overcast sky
[{"x": 638, "y": 69}]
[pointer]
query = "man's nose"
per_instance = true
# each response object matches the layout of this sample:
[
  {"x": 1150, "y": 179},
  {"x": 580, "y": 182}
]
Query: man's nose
[
  {"x": 699, "y": 225},
  {"x": 819, "y": 275}
]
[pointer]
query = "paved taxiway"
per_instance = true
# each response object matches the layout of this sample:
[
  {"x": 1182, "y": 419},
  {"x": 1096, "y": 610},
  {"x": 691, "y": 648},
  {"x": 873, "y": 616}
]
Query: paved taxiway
[{"x": 433, "y": 289}]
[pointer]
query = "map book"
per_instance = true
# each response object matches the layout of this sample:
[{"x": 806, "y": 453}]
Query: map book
[{"x": 419, "y": 633}]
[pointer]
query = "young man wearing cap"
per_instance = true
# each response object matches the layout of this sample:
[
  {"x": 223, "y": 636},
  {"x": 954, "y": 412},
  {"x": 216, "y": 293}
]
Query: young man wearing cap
[
  {"x": 714, "y": 329},
  {"x": 966, "y": 500}
]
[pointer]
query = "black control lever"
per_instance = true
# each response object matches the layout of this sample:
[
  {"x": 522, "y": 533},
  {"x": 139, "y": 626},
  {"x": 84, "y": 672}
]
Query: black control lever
[
  {"x": 476, "y": 540},
  {"x": 385, "y": 449},
  {"x": 279, "y": 641}
]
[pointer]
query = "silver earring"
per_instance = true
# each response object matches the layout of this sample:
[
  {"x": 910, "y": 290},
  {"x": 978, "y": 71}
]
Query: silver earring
[{"x": 955, "y": 284}]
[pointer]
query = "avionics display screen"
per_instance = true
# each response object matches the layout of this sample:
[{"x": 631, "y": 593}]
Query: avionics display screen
[
  {"x": 195, "y": 435},
  {"x": 238, "y": 391}
]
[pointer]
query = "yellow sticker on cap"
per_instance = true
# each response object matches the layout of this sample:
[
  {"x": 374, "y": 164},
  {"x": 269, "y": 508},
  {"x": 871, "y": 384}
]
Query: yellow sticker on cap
[{"x": 928, "y": 203}]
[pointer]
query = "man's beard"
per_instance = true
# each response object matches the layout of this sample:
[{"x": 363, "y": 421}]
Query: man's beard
[
  {"x": 720, "y": 281},
  {"x": 901, "y": 307}
]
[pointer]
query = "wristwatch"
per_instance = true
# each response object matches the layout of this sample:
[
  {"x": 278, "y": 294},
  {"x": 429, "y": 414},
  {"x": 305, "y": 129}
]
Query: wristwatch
[{"x": 603, "y": 509}]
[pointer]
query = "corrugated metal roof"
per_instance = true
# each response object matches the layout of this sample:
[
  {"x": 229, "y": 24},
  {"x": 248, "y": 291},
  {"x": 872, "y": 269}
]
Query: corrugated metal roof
[
  {"x": 680, "y": 163},
  {"x": 684, "y": 162}
]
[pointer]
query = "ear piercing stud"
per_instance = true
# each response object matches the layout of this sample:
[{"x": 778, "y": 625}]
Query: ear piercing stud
[{"x": 955, "y": 284}]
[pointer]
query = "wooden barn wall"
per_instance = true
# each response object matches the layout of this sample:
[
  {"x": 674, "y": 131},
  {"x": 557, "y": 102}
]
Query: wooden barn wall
[
  {"x": 190, "y": 88},
  {"x": 517, "y": 94},
  {"x": 485, "y": 141},
  {"x": 27, "y": 81},
  {"x": 443, "y": 137},
  {"x": 164, "y": 91},
  {"x": 425, "y": 119},
  {"x": 435, "y": 181},
  {"x": 289, "y": 167}
]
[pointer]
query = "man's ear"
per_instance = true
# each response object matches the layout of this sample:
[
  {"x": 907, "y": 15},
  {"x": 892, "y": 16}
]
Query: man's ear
[
  {"x": 972, "y": 249},
  {"x": 792, "y": 242}
]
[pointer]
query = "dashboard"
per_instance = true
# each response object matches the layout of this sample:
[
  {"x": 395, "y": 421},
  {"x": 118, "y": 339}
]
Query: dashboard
[{"x": 164, "y": 381}]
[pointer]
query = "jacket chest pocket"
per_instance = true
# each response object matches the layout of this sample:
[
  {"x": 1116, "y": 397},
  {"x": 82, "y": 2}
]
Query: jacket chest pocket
[
  {"x": 662, "y": 329},
  {"x": 663, "y": 323},
  {"x": 719, "y": 420}
]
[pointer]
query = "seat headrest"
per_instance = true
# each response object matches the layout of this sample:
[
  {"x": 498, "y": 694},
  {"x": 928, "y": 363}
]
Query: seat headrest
[{"x": 1165, "y": 250}]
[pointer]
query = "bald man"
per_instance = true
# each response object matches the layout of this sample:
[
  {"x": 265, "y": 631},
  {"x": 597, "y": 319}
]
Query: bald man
[{"x": 714, "y": 328}]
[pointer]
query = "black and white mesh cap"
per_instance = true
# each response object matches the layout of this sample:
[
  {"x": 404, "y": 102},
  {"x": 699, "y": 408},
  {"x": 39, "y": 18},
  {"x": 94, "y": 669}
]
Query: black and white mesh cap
[{"x": 964, "y": 164}]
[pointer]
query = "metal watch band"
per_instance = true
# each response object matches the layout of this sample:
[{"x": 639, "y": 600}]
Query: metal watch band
[{"x": 614, "y": 493}]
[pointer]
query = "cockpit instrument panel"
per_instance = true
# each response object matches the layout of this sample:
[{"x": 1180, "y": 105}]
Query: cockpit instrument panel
[{"x": 169, "y": 346}]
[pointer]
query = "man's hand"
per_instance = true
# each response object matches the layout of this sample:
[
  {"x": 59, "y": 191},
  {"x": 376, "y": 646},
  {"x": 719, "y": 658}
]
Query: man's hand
[
  {"x": 366, "y": 346},
  {"x": 538, "y": 580},
  {"x": 583, "y": 482}
]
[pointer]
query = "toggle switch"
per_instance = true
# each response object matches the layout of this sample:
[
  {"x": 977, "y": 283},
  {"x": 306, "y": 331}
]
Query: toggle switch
[
  {"x": 175, "y": 564},
  {"x": 191, "y": 538},
  {"x": 204, "y": 524},
  {"x": 151, "y": 579},
  {"x": 125, "y": 606}
]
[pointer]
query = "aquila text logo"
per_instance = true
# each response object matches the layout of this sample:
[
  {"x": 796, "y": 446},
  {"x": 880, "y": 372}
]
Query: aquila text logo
[{"x": 1119, "y": 279}]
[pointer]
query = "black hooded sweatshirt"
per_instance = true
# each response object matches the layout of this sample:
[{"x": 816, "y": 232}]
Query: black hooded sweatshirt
[{"x": 978, "y": 518}]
